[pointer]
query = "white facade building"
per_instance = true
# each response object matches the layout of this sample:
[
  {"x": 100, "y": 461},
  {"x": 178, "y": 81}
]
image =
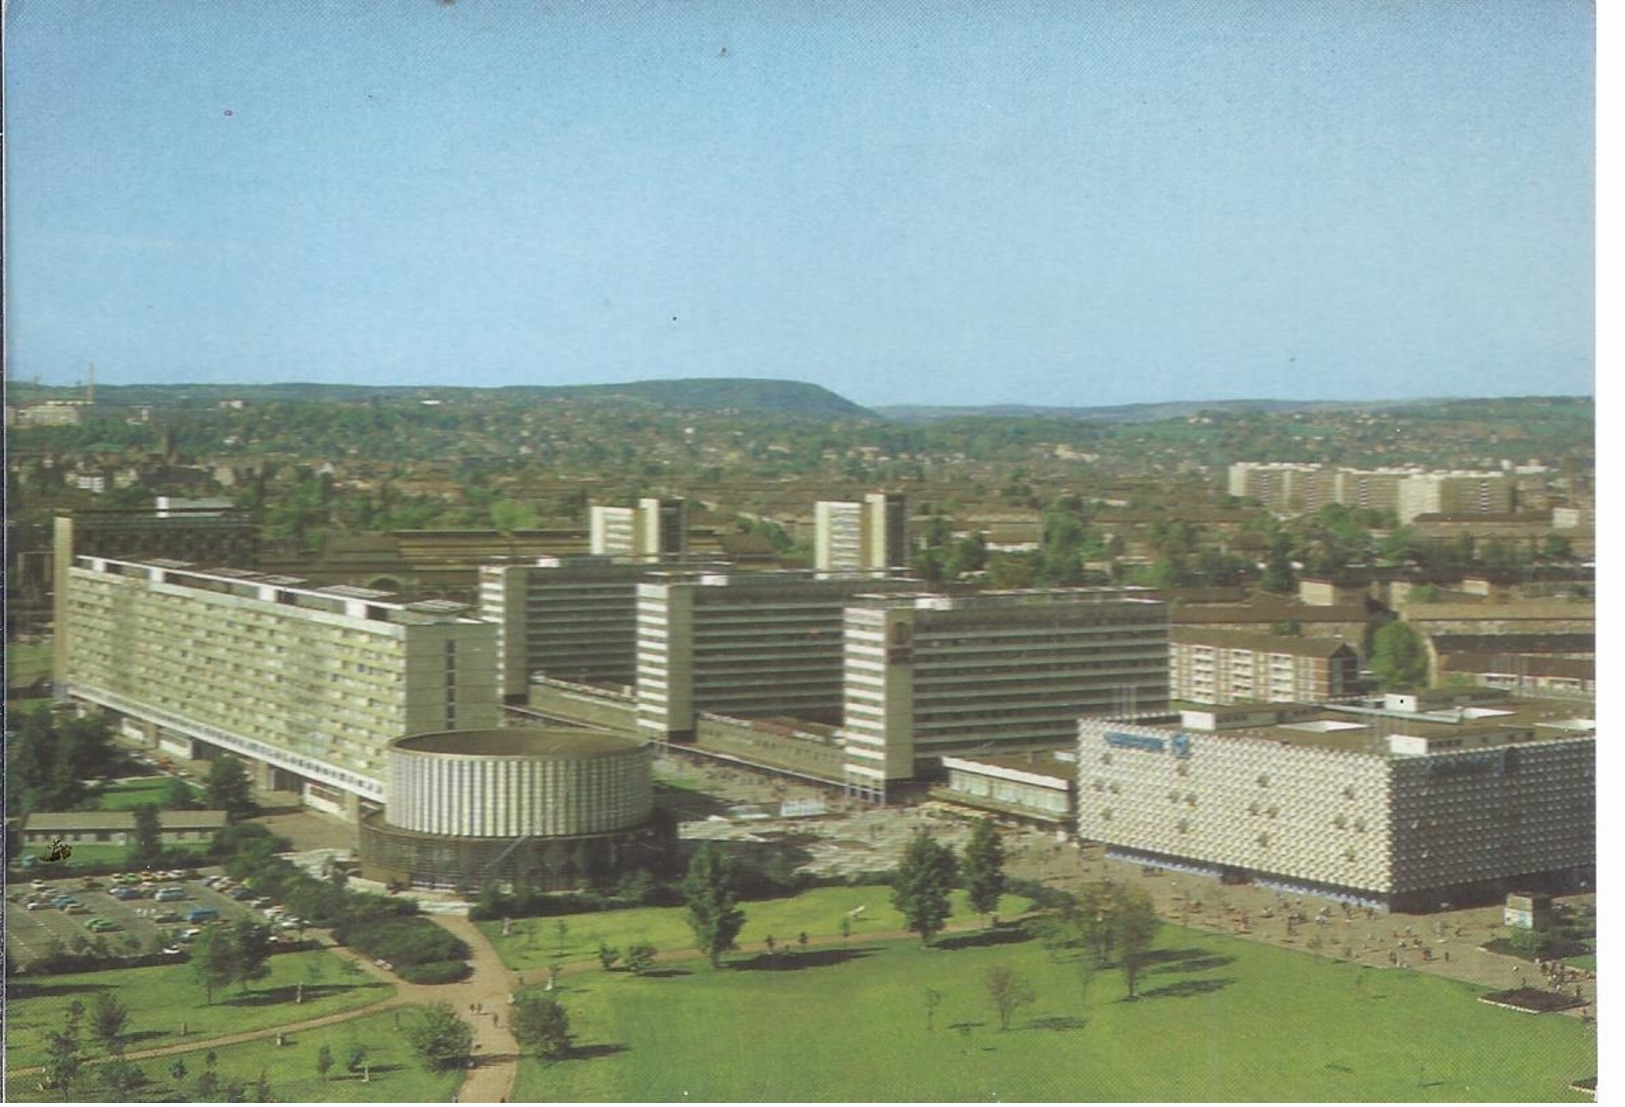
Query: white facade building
[
  {"x": 741, "y": 644},
  {"x": 929, "y": 674},
  {"x": 308, "y": 684},
  {"x": 1405, "y": 808}
]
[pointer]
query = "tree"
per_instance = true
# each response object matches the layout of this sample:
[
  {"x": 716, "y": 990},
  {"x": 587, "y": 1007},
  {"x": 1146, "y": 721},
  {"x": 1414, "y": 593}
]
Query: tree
[
  {"x": 640, "y": 957},
  {"x": 1009, "y": 991},
  {"x": 983, "y": 870},
  {"x": 1278, "y": 576},
  {"x": 250, "y": 952},
  {"x": 62, "y": 1059},
  {"x": 713, "y": 913},
  {"x": 355, "y": 1058},
  {"x": 541, "y": 1025},
  {"x": 607, "y": 955},
  {"x": 179, "y": 795},
  {"x": 149, "y": 834},
  {"x": 1399, "y": 658},
  {"x": 440, "y": 1038},
  {"x": 933, "y": 1000},
  {"x": 923, "y": 884},
  {"x": 229, "y": 789},
  {"x": 108, "y": 1019},
  {"x": 214, "y": 960},
  {"x": 119, "y": 1080},
  {"x": 1134, "y": 926},
  {"x": 324, "y": 1061}
]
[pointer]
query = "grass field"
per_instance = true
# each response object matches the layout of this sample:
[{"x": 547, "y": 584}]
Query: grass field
[
  {"x": 88, "y": 854},
  {"x": 534, "y": 943},
  {"x": 396, "y": 1077},
  {"x": 161, "y": 998},
  {"x": 1219, "y": 1019},
  {"x": 127, "y": 794},
  {"x": 26, "y": 663}
]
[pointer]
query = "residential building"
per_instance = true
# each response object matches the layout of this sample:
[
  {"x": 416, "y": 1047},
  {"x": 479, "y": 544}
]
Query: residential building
[
  {"x": 1225, "y": 666},
  {"x": 930, "y": 675},
  {"x": 569, "y": 618},
  {"x": 871, "y": 536},
  {"x": 221, "y": 537},
  {"x": 1409, "y": 803},
  {"x": 652, "y": 530},
  {"x": 741, "y": 644},
  {"x": 1291, "y": 488},
  {"x": 308, "y": 685}
]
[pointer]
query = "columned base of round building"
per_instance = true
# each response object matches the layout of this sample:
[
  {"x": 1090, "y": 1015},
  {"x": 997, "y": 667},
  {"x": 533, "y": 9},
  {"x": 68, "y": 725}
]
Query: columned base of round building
[{"x": 409, "y": 858}]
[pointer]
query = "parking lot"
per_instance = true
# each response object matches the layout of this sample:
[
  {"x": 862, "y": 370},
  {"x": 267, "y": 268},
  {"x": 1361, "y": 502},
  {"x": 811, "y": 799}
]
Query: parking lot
[{"x": 29, "y": 933}]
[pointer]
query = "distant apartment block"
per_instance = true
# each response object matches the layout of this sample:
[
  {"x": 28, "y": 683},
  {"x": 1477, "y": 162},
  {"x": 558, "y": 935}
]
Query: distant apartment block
[
  {"x": 741, "y": 644},
  {"x": 1289, "y": 488},
  {"x": 1415, "y": 802},
  {"x": 651, "y": 530},
  {"x": 871, "y": 536},
  {"x": 1221, "y": 666},
  {"x": 930, "y": 675},
  {"x": 308, "y": 685},
  {"x": 568, "y": 618}
]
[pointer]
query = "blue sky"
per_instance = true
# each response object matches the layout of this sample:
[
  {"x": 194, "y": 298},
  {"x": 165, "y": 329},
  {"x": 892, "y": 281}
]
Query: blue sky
[{"x": 993, "y": 202}]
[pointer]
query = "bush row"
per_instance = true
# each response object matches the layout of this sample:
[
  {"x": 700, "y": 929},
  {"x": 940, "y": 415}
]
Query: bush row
[
  {"x": 403, "y": 941},
  {"x": 435, "y": 972}
]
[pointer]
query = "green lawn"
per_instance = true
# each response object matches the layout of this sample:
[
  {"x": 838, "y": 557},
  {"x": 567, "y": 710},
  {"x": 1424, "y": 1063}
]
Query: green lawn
[
  {"x": 162, "y": 997},
  {"x": 94, "y": 853},
  {"x": 1219, "y": 1019},
  {"x": 126, "y": 794},
  {"x": 534, "y": 943},
  {"x": 396, "y": 1077},
  {"x": 26, "y": 663}
]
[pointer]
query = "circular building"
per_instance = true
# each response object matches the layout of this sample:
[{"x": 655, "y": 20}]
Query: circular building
[{"x": 549, "y": 808}]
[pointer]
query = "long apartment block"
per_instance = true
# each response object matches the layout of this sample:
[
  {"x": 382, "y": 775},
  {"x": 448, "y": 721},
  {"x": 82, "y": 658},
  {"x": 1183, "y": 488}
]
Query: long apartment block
[
  {"x": 742, "y": 644},
  {"x": 307, "y": 684},
  {"x": 568, "y": 618},
  {"x": 929, "y": 674}
]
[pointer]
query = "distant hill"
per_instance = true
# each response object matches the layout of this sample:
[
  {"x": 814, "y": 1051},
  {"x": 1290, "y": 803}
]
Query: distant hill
[
  {"x": 745, "y": 395},
  {"x": 1133, "y": 413}
]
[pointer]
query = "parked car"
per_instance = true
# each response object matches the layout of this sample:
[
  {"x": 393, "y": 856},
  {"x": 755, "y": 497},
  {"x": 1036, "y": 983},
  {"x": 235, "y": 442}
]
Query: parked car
[
  {"x": 76, "y": 909},
  {"x": 64, "y": 901},
  {"x": 124, "y": 891},
  {"x": 242, "y": 893},
  {"x": 167, "y": 917},
  {"x": 101, "y": 925},
  {"x": 202, "y": 914},
  {"x": 38, "y": 905},
  {"x": 170, "y": 894}
]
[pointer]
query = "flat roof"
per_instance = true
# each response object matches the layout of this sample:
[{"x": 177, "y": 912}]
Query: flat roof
[
  {"x": 119, "y": 820},
  {"x": 1356, "y": 729},
  {"x": 530, "y": 742}
]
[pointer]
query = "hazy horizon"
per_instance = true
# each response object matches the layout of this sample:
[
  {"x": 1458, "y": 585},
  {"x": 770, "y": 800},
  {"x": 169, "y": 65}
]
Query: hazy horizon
[{"x": 956, "y": 205}]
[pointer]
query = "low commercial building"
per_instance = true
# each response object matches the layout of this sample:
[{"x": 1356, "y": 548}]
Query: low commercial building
[
  {"x": 929, "y": 675},
  {"x": 1220, "y": 666},
  {"x": 1034, "y": 789},
  {"x": 307, "y": 685},
  {"x": 1422, "y": 800},
  {"x": 115, "y": 828},
  {"x": 549, "y": 808}
]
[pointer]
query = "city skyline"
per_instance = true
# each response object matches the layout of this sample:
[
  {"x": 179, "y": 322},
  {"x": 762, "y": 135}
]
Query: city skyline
[{"x": 906, "y": 205}]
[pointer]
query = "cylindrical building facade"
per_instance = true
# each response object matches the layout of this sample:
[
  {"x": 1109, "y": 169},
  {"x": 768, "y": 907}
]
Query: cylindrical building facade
[{"x": 551, "y": 807}]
